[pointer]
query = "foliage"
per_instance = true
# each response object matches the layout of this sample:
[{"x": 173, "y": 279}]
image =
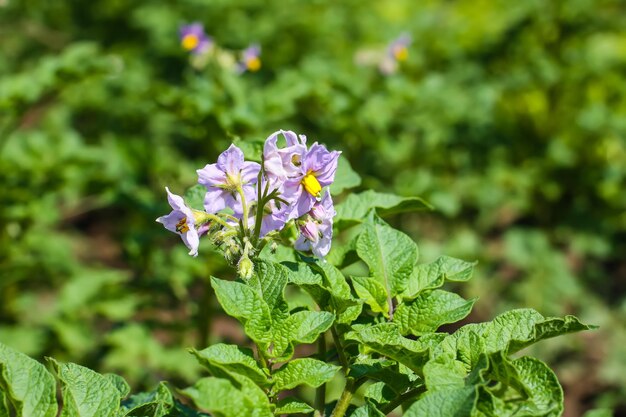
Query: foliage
[{"x": 509, "y": 119}]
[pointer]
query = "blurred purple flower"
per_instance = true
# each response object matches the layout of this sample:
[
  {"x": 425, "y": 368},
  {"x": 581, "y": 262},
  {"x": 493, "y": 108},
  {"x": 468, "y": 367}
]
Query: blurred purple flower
[
  {"x": 397, "y": 51},
  {"x": 316, "y": 230},
  {"x": 193, "y": 38},
  {"x": 224, "y": 178},
  {"x": 250, "y": 59},
  {"x": 181, "y": 221}
]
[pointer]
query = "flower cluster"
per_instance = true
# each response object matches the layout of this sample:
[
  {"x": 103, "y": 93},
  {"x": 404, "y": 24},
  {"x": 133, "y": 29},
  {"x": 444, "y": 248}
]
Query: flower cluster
[
  {"x": 202, "y": 47},
  {"x": 248, "y": 204}
]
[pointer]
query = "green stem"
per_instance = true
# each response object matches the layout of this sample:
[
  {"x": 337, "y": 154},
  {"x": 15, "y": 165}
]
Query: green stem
[
  {"x": 343, "y": 360},
  {"x": 402, "y": 398},
  {"x": 320, "y": 393},
  {"x": 344, "y": 400},
  {"x": 244, "y": 205}
]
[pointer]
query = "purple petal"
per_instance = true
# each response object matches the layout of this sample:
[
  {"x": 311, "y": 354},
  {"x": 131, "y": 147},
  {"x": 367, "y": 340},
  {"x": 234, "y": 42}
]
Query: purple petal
[
  {"x": 231, "y": 160},
  {"x": 215, "y": 200},
  {"x": 192, "y": 241},
  {"x": 250, "y": 172},
  {"x": 211, "y": 175}
]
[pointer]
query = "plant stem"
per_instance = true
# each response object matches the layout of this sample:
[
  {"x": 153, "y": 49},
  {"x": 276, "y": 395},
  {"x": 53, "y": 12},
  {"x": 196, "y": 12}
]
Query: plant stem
[
  {"x": 402, "y": 398},
  {"x": 344, "y": 400},
  {"x": 320, "y": 393},
  {"x": 244, "y": 205},
  {"x": 338, "y": 345}
]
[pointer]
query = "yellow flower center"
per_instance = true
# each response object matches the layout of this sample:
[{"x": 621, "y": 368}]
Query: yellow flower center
[
  {"x": 401, "y": 53},
  {"x": 253, "y": 64},
  {"x": 190, "y": 41},
  {"x": 181, "y": 226},
  {"x": 311, "y": 184}
]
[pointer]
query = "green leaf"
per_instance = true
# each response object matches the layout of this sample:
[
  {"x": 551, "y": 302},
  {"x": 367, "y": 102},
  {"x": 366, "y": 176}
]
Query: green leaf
[
  {"x": 194, "y": 196},
  {"x": 345, "y": 177},
  {"x": 340, "y": 298},
  {"x": 383, "y": 370},
  {"x": 367, "y": 410},
  {"x": 232, "y": 359},
  {"x": 86, "y": 393},
  {"x": 373, "y": 293},
  {"x": 379, "y": 393},
  {"x": 307, "y": 371},
  {"x": 444, "y": 373},
  {"x": 119, "y": 383},
  {"x": 525, "y": 387},
  {"x": 450, "y": 402},
  {"x": 244, "y": 303},
  {"x": 26, "y": 385},
  {"x": 222, "y": 397},
  {"x": 385, "y": 338},
  {"x": 546, "y": 394},
  {"x": 291, "y": 405},
  {"x": 391, "y": 255},
  {"x": 306, "y": 326},
  {"x": 434, "y": 274},
  {"x": 430, "y": 310},
  {"x": 356, "y": 207},
  {"x": 513, "y": 330},
  {"x": 550, "y": 327},
  {"x": 156, "y": 403}
]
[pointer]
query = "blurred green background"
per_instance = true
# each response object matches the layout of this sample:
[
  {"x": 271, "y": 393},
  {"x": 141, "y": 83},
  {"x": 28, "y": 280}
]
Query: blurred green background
[{"x": 509, "y": 117}]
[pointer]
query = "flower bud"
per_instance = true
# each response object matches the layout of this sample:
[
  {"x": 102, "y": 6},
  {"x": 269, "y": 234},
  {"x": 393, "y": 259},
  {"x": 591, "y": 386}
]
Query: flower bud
[
  {"x": 318, "y": 212},
  {"x": 245, "y": 267},
  {"x": 310, "y": 230}
]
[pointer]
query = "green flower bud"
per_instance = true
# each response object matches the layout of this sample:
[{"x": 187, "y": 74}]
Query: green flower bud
[{"x": 245, "y": 267}]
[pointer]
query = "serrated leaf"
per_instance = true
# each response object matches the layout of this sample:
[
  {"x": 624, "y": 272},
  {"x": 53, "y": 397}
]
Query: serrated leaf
[
  {"x": 194, "y": 196},
  {"x": 156, "y": 403},
  {"x": 119, "y": 383},
  {"x": 86, "y": 393},
  {"x": 525, "y": 386},
  {"x": 379, "y": 393},
  {"x": 340, "y": 299},
  {"x": 430, "y": 310},
  {"x": 356, "y": 207},
  {"x": 385, "y": 338},
  {"x": 372, "y": 293},
  {"x": 308, "y": 371},
  {"x": 444, "y": 373},
  {"x": 222, "y": 397},
  {"x": 367, "y": 410},
  {"x": 26, "y": 384},
  {"x": 345, "y": 177},
  {"x": 245, "y": 304},
  {"x": 550, "y": 327},
  {"x": 390, "y": 255},
  {"x": 451, "y": 402},
  {"x": 232, "y": 359},
  {"x": 291, "y": 405},
  {"x": 383, "y": 370},
  {"x": 433, "y": 275}
]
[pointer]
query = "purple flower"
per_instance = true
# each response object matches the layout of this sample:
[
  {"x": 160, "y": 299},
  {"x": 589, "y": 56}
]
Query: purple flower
[
  {"x": 182, "y": 222},
  {"x": 317, "y": 170},
  {"x": 193, "y": 38},
  {"x": 250, "y": 59},
  {"x": 283, "y": 163},
  {"x": 224, "y": 179},
  {"x": 316, "y": 230}
]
